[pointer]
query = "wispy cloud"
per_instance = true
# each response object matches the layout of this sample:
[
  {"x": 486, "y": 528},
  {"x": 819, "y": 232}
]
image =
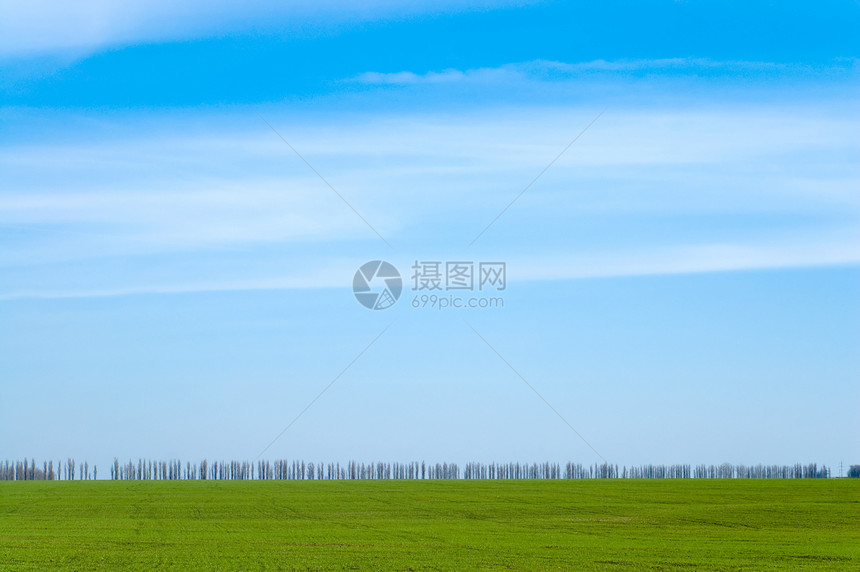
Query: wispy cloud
[
  {"x": 754, "y": 186},
  {"x": 837, "y": 249},
  {"x": 327, "y": 280},
  {"x": 546, "y": 70},
  {"x": 432, "y": 77},
  {"x": 43, "y": 27},
  {"x": 217, "y": 213}
]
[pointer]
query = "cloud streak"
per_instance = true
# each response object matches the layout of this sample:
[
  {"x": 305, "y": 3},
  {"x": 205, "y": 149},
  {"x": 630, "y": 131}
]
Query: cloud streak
[
  {"x": 38, "y": 27},
  {"x": 645, "y": 191},
  {"x": 546, "y": 70},
  {"x": 838, "y": 249}
]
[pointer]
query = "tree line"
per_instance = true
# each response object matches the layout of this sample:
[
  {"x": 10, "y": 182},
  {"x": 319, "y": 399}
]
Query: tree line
[
  {"x": 148, "y": 469},
  {"x": 29, "y": 471}
]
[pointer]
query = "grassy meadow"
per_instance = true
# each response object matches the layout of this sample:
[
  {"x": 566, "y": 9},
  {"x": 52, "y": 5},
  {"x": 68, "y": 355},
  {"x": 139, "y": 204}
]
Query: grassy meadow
[{"x": 431, "y": 525}]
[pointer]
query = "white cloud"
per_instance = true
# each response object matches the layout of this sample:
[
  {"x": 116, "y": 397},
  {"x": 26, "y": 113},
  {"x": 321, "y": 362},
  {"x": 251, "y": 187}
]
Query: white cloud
[
  {"x": 546, "y": 70},
  {"x": 432, "y": 77},
  {"x": 32, "y": 27},
  {"x": 837, "y": 249},
  {"x": 327, "y": 279},
  {"x": 783, "y": 180},
  {"x": 255, "y": 210}
]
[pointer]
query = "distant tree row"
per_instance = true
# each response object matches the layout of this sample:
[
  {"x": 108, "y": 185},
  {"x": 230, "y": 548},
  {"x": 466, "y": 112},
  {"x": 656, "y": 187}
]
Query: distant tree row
[
  {"x": 145, "y": 469},
  {"x": 29, "y": 471},
  {"x": 728, "y": 471}
]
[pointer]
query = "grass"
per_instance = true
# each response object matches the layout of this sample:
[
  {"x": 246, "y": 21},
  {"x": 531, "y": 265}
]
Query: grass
[{"x": 431, "y": 525}]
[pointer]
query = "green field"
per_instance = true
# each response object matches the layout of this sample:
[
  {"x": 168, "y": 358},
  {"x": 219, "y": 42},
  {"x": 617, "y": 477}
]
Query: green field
[{"x": 431, "y": 525}]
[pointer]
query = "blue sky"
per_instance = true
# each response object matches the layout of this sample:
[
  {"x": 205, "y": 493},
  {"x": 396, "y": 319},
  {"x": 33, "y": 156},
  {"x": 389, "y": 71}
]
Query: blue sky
[{"x": 683, "y": 280}]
